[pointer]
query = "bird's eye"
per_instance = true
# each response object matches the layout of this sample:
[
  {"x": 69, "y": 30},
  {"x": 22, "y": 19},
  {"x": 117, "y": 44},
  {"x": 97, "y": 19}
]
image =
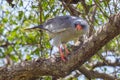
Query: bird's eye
[
  {"x": 83, "y": 25},
  {"x": 76, "y": 25}
]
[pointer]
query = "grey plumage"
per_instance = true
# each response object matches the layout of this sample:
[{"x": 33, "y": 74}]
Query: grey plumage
[{"x": 62, "y": 28}]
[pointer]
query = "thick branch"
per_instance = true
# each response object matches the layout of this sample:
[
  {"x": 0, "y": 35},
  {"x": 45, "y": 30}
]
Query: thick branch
[
  {"x": 100, "y": 64},
  {"x": 94, "y": 74},
  {"x": 28, "y": 69},
  {"x": 71, "y": 1},
  {"x": 71, "y": 9}
]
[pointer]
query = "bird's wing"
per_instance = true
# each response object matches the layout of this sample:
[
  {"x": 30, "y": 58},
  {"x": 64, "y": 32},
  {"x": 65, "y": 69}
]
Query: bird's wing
[
  {"x": 58, "y": 24},
  {"x": 59, "y": 30}
]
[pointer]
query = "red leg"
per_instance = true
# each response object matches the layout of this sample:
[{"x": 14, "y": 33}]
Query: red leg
[
  {"x": 61, "y": 54},
  {"x": 66, "y": 50}
]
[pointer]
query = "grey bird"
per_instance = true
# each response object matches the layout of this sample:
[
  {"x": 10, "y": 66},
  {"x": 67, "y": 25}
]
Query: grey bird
[{"x": 62, "y": 29}]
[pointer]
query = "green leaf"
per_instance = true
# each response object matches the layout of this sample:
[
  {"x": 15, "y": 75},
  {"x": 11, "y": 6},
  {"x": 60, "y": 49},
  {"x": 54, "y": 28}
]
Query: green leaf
[
  {"x": 5, "y": 20},
  {"x": 20, "y": 15},
  {"x": 28, "y": 57},
  {"x": 21, "y": 3},
  {"x": 105, "y": 69}
]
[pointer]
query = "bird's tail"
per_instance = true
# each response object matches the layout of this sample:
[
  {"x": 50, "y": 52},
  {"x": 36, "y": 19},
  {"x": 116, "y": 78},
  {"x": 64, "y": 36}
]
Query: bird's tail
[{"x": 39, "y": 27}]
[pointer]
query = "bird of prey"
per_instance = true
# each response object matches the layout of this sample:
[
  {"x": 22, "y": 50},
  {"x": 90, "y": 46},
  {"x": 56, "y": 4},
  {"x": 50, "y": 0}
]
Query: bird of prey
[{"x": 62, "y": 29}]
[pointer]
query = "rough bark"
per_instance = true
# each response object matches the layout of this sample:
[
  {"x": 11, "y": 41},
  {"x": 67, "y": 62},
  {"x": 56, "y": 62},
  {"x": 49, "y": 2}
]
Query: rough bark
[
  {"x": 35, "y": 68},
  {"x": 94, "y": 74},
  {"x": 70, "y": 1}
]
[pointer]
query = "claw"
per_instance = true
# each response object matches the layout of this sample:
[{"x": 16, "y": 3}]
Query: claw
[
  {"x": 62, "y": 57},
  {"x": 66, "y": 50},
  {"x": 62, "y": 54}
]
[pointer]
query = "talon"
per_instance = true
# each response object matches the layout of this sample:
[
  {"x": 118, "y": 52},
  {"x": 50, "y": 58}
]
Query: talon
[
  {"x": 63, "y": 59},
  {"x": 62, "y": 54},
  {"x": 66, "y": 50}
]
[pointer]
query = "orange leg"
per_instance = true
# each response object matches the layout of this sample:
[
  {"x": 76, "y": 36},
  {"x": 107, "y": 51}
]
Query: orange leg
[
  {"x": 61, "y": 54},
  {"x": 66, "y": 50}
]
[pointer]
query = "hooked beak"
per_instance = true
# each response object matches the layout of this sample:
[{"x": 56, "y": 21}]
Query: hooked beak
[{"x": 79, "y": 27}]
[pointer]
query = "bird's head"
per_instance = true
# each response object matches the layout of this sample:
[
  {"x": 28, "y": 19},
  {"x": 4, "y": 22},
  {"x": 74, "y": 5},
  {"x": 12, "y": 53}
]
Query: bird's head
[{"x": 80, "y": 24}]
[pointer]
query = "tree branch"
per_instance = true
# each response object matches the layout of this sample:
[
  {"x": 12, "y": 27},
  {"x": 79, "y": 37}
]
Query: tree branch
[
  {"x": 71, "y": 9},
  {"x": 100, "y": 64},
  {"x": 94, "y": 74},
  {"x": 28, "y": 69},
  {"x": 71, "y": 1}
]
